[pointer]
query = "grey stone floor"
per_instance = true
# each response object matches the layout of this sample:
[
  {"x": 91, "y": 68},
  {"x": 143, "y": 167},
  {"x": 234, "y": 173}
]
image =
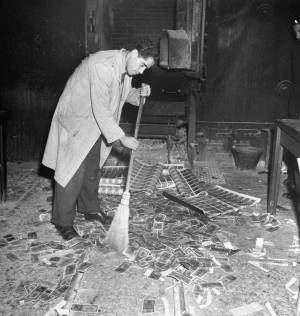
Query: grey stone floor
[{"x": 123, "y": 294}]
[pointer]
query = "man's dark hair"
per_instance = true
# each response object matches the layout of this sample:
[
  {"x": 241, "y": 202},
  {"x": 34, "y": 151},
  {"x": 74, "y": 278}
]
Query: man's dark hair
[{"x": 146, "y": 48}]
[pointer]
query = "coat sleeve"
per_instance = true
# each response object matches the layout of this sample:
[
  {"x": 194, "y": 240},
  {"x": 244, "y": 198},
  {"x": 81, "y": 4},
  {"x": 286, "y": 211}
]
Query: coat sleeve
[
  {"x": 100, "y": 85},
  {"x": 134, "y": 97}
]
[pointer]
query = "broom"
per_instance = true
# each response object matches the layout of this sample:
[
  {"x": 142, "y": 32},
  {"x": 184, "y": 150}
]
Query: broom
[{"x": 117, "y": 235}]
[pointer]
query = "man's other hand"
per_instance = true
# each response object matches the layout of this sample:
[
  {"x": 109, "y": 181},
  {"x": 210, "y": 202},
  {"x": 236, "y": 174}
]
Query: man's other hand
[
  {"x": 145, "y": 90},
  {"x": 129, "y": 142}
]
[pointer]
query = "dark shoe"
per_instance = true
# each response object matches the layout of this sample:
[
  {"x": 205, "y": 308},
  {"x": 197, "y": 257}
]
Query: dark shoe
[
  {"x": 287, "y": 195},
  {"x": 98, "y": 217},
  {"x": 67, "y": 233},
  {"x": 290, "y": 184}
]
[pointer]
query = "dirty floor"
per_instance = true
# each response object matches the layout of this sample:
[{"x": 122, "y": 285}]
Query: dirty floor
[{"x": 256, "y": 270}]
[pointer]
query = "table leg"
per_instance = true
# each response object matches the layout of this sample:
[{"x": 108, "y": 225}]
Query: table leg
[
  {"x": 2, "y": 167},
  {"x": 298, "y": 304},
  {"x": 274, "y": 176},
  {"x": 169, "y": 141}
]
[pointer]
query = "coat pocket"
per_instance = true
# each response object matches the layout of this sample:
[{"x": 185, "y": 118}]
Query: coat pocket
[{"x": 70, "y": 124}]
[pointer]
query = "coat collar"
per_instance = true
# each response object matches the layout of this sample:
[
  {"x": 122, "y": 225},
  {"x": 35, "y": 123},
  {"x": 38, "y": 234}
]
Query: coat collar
[{"x": 120, "y": 64}]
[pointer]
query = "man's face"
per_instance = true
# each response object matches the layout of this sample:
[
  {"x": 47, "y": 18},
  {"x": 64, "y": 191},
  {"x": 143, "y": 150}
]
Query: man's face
[
  {"x": 136, "y": 65},
  {"x": 296, "y": 29}
]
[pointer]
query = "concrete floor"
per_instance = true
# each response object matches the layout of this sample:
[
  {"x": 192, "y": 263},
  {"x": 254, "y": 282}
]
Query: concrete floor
[{"x": 117, "y": 293}]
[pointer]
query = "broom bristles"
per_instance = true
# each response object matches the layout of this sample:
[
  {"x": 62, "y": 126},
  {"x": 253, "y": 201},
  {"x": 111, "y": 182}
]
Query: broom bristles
[{"x": 117, "y": 235}]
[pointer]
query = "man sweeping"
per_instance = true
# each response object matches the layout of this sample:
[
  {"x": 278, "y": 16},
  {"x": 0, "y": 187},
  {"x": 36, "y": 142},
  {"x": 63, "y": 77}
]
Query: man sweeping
[{"x": 84, "y": 127}]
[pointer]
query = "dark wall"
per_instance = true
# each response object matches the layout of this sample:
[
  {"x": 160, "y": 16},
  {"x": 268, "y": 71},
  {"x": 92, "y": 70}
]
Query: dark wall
[
  {"x": 41, "y": 43},
  {"x": 135, "y": 19},
  {"x": 247, "y": 58}
]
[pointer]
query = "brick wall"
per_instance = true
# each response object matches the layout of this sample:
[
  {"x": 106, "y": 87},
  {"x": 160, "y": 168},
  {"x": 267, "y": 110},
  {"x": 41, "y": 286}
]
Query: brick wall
[{"x": 141, "y": 18}]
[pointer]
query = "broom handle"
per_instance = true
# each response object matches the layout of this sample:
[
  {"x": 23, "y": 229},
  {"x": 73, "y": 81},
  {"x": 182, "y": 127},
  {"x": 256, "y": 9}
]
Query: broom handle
[{"x": 136, "y": 132}]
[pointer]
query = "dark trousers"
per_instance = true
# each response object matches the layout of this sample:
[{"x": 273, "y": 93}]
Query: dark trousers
[{"x": 81, "y": 191}]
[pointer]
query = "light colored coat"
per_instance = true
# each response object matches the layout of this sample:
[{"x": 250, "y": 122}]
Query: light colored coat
[{"x": 90, "y": 106}]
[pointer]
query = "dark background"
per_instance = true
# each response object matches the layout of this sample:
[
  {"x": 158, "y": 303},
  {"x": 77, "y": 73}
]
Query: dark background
[{"x": 42, "y": 41}]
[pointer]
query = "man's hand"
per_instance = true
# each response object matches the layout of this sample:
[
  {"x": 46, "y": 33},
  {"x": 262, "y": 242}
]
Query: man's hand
[
  {"x": 145, "y": 90},
  {"x": 129, "y": 142}
]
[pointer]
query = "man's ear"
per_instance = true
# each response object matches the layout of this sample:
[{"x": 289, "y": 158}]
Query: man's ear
[
  {"x": 134, "y": 53},
  {"x": 149, "y": 61}
]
